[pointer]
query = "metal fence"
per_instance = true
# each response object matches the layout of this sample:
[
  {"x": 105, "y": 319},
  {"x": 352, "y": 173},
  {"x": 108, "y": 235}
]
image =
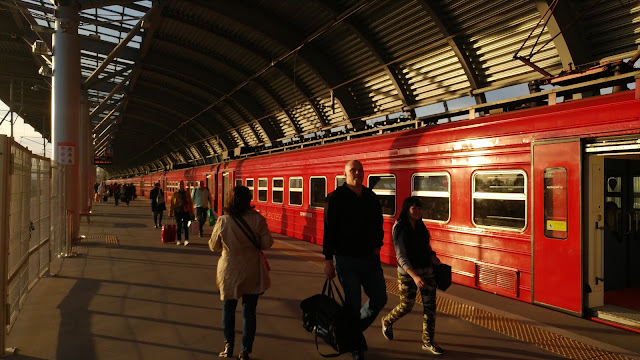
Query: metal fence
[{"x": 32, "y": 224}]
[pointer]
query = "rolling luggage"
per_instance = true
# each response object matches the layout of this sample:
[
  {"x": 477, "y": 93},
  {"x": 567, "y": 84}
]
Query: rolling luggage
[
  {"x": 168, "y": 233},
  {"x": 195, "y": 227}
]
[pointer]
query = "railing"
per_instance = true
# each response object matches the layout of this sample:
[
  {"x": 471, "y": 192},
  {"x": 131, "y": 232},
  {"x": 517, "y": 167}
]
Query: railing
[{"x": 31, "y": 225}]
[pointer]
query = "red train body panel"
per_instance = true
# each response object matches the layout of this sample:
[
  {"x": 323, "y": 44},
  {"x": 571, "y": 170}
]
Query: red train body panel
[{"x": 465, "y": 156}]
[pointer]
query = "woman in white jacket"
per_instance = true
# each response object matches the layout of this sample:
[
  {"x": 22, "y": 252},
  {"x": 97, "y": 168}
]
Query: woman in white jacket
[{"x": 240, "y": 234}]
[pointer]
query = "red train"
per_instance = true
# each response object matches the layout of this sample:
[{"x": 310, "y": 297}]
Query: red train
[{"x": 541, "y": 205}]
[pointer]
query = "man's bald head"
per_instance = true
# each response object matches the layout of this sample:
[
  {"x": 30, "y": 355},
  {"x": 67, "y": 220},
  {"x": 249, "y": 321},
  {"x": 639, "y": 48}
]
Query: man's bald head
[{"x": 354, "y": 173}]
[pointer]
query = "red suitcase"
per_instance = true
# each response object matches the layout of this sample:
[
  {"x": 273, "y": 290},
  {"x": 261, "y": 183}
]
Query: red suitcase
[{"x": 169, "y": 233}]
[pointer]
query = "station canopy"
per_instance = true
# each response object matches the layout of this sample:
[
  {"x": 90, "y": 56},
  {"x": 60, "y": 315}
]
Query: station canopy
[{"x": 189, "y": 82}]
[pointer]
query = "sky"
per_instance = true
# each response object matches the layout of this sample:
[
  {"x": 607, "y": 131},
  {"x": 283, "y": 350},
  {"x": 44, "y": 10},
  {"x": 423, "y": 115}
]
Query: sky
[{"x": 23, "y": 133}]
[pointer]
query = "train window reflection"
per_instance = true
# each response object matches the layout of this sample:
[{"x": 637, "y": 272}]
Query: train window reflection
[
  {"x": 434, "y": 192},
  {"x": 295, "y": 191},
  {"x": 318, "y": 187},
  {"x": 263, "y": 188},
  {"x": 500, "y": 199},
  {"x": 238, "y": 182},
  {"x": 249, "y": 184},
  {"x": 277, "y": 191},
  {"x": 384, "y": 186},
  {"x": 556, "y": 206},
  {"x": 340, "y": 179}
]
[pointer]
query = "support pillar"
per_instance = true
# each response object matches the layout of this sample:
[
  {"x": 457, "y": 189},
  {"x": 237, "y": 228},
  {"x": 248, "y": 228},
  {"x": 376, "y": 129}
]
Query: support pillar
[
  {"x": 83, "y": 154},
  {"x": 65, "y": 110}
]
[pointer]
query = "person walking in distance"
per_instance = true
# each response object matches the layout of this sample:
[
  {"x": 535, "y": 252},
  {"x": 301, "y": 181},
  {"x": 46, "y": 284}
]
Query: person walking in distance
[
  {"x": 201, "y": 200},
  {"x": 352, "y": 240},
  {"x": 415, "y": 271},
  {"x": 182, "y": 209},
  {"x": 158, "y": 205}
]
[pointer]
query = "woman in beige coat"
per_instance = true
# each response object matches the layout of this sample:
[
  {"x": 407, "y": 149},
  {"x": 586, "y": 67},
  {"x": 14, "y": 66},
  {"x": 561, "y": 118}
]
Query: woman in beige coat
[{"x": 241, "y": 270}]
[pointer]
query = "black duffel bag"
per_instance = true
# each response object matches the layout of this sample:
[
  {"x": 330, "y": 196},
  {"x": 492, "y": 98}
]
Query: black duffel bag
[
  {"x": 443, "y": 276},
  {"x": 331, "y": 321}
]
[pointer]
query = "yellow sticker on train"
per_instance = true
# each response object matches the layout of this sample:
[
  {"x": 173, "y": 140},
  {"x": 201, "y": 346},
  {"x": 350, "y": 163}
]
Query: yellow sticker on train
[{"x": 556, "y": 225}]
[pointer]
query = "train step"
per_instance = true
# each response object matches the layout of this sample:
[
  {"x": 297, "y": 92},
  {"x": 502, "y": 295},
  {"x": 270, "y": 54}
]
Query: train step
[{"x": 619, "y": 315}]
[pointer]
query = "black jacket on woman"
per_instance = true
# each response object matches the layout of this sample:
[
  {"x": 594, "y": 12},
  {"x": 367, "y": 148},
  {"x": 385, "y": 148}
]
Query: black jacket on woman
[
  {"x": 153, "y": 195},
  {"x": 412, "y": 245}
]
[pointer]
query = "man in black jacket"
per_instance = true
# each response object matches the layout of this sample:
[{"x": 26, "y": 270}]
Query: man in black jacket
[{"x": 352, "y": 238}]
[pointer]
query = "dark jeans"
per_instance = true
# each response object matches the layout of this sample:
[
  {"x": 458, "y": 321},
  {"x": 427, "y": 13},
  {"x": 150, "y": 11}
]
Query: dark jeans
[
  {"x": 201, "y": 215},
  {"x": 356, "y": 271},
  {"x": 182, "y": 220},
  {"x": 157, "y": 217},
  {"x": 249, "y": 304}
]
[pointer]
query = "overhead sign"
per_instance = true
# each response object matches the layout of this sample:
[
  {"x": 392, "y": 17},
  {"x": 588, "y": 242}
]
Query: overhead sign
[{"x": 102, "y": 160}]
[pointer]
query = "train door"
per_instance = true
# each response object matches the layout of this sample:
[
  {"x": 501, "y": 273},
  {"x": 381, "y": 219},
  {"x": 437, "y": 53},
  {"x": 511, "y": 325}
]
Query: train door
[
  {"x": 556, "y": 233},
  {"x": 226, "y": 184},
  {"x": 616, "y": 186}
]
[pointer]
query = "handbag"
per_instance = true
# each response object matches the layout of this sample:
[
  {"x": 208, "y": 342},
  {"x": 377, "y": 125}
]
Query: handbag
[
  {"x": 443, "y": 276},
  {"x": 246, "y": 229},
  {"x": 331, "y": 321}
]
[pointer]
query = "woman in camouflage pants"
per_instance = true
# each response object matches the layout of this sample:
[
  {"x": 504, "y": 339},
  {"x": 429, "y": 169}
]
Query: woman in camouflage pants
[{"x": 415, "y": 271}]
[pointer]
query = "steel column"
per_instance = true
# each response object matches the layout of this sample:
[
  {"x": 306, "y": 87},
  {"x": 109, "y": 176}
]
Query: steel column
[{"x": 65, "y": 114}]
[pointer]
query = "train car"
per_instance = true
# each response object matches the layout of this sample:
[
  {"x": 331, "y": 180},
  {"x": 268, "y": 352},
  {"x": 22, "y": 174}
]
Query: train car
[{"x": 540, "y": 205}]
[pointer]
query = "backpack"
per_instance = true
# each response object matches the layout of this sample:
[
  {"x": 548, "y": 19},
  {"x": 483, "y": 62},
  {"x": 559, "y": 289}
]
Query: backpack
[
  {"x": 327, "y": 319},
  {"x": 160, "y": 197}
]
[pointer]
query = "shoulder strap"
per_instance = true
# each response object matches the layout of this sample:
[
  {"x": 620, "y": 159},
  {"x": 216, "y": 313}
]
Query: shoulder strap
[{"x": 246, "y": 229}]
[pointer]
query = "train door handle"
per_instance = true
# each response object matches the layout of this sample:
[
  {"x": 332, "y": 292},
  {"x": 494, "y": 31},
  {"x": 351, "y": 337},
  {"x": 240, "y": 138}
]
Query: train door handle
[
  {"x": 601, "y": 228},
  {"x": 628, "y": 224}
]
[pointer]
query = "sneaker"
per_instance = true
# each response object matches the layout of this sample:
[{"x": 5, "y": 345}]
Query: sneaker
[
  {"x": 177, "y": 242},
  {"x": 387, "y": 331},
  {"x": 243, "y": 356},
  {"x": 186, "y": 242},
  {"x": 227, "y": 352},
  {"x": 433, "y": 348},
  {"x": 155, "y": 226}
]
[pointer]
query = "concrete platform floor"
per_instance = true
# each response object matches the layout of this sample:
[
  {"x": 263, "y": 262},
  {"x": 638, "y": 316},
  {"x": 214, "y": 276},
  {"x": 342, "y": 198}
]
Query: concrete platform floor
[{"x": 129, "y": 296}]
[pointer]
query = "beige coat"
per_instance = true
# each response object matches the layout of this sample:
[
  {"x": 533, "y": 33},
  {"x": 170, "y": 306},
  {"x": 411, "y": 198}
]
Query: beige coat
[{"x": 240, "y": 269}]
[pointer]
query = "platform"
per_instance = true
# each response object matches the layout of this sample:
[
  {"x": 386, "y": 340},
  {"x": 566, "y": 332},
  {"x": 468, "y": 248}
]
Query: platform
[{"x": 126, "y": 295}]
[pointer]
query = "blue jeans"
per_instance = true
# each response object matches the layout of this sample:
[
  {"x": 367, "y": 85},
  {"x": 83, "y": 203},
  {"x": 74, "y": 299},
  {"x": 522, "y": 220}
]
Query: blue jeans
[
  {"x": 249, "y": 304},
  {"x": 356, "y": 271}
]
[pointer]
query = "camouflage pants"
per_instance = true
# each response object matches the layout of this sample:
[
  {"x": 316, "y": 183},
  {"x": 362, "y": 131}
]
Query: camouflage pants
[{"x": 408, "y": 290}]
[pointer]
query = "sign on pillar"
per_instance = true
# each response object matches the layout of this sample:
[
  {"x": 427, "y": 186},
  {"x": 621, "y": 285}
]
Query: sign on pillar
[{"x": 66, "y": 153}]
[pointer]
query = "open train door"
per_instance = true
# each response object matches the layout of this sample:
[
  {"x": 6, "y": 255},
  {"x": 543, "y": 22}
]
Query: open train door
[
  {"x": 225, "y": 185},
  {"x": 557, "y": 240}
]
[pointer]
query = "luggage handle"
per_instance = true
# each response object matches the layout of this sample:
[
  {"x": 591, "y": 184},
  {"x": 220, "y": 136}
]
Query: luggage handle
[{"x": 328, "y": 290}]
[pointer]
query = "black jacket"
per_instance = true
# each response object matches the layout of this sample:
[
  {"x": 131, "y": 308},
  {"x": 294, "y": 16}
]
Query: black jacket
[
  {"x": 153, "y": 195},
  {"x": 352, "y": 223}
]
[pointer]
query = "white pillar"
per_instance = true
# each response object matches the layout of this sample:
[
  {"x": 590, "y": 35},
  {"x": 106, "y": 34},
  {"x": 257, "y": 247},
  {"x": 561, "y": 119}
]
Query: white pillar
[
  {"x": 65, "y": 108},
  {"x": 83, "y": 153}
]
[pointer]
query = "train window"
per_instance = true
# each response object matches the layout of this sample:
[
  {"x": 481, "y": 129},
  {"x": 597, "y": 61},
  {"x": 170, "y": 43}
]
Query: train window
[
  {"x": 556, "y": 206},
  {"x": 238, "y": 182},
  {"x": 263, "y": 188},
  {"x": 500, "y": 199},
  {"x": 295, "y": 191},
  {"x": 434, "y": 192},
  {"x": 384, "y": 186},
  {"x": 340, "y": 179},
  {"x": 277, "y": 191},
  {"x": 249, "y": 184},
  {"x": 318, "y": 186}
]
